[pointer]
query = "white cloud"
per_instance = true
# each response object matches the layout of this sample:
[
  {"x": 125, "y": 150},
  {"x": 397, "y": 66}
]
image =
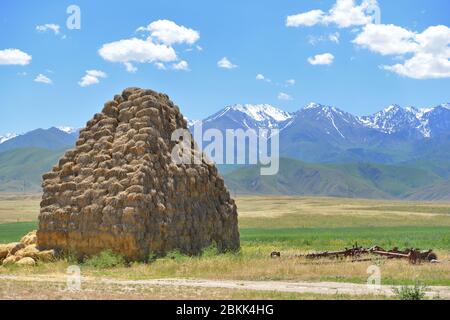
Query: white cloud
[
  {"x": 137, "y": 50},
  {"x": 168, "y": 32},
  {"x": 157, "y": 48},
  {"x": 321, "y": 59},
  {"x": 422, "y": 66},
  {"x": 160, "y": 66},
  {"x": 386, "y": 39},
  {"x": 284, "y": 96},
  {"x": 182, "y": 65},
  {"x": 130, "y": 67},
  {"x": 344, "y": 14},
  {"x": 224, "y": 63},
  {"x": 49, "y": 26},
  {"x": 91, "y": 77},
  {"x": 308, "y": 19},
  {"x": 290, "y": 82},
  {"x": 430, "y": 49},
  {"x": 43, "y": 79},
  {"x": 14, "y": 57},
  {"x": 334, "y": 37},
  {"x": 261, "y": 77}
]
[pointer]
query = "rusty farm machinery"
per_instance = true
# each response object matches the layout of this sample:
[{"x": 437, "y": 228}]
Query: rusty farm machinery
[{"x": 357, "y": 253}]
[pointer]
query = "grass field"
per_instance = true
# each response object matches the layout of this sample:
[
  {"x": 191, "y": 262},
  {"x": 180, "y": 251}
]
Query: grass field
[{"x": 291, "y": 225}]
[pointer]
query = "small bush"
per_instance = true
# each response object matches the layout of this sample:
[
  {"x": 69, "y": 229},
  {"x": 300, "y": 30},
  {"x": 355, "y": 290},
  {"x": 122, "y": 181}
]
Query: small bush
[
  {"x": 210, "y": 251},
  {"x": 411, "y": 293},
  {"x": 176, "y": 255},
  {"x": 105, "y": 259}
]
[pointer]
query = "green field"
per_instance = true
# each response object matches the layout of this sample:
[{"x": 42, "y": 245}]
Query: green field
[
  {"x": 338, "y": 238},
  {"x": 12, "y": 232},
  {"x": 292, "y": 225}
]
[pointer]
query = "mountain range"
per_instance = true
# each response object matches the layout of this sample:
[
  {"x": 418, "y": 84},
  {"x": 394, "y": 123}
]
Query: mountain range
[
  {"x": 395, "y": 153},
  {"x": 52, "y": 139},
  {"x": 319, "y": 133}
]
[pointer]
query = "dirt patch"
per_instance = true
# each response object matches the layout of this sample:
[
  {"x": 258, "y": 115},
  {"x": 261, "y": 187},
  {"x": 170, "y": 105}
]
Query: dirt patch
[{"x": 111, "y": 288}]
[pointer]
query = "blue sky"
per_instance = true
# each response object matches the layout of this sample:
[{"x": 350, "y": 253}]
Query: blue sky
[{"x": 254, "y": 36}]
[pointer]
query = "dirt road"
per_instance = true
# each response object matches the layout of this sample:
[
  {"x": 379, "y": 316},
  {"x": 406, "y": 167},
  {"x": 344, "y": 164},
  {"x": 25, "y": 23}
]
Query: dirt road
[{"x": 323, "y": 288}]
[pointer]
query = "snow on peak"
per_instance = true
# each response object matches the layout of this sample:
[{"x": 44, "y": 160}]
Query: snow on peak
[
  {"x": 262, "y": 112},
  {"x": 7, "y": 136},
  {"x": 312, "y": 105},
  {"x": 445, "y": 106},
  {"x": 392, "y": 108},
  {"x": 394, "y": 119},
  {"x": 66, "y": 129}
]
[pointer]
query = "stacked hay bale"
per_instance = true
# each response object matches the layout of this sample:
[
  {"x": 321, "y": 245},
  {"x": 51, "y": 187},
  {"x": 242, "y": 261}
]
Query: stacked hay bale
[
  {"x": 119, "y": 188},
  {"x": 24, "y": 252}
]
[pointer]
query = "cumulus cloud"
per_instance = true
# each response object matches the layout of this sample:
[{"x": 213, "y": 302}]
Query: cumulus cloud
[
  {"x": 422, "y": 66},
  {"x": 168, "y": 32},
  {"x": 224, "y": 63},
  {"x": 157, "y": 48},
  {"x": 429, "y": 51},
  {"x": 182, "y": 65},
  {"x": 49, "y": 26},
  {"x": 307, "y": 19},
  {"x": 14, "y": 57},
  {"x": 91, "y": 77},
  {"x": 137, "y": 50},
  {"x": 386, "y": 39},
  {"x": 284, "y": 96},
  {"x": 321, "y": 59},
  {"x": 343, "y": 14},
  {"x": 43, "y": 79}
]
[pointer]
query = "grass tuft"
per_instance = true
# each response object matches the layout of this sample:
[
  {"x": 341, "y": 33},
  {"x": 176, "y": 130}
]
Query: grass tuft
[
  {"x": 105, "y": 259},
  {"x": 416, "y": 292}
]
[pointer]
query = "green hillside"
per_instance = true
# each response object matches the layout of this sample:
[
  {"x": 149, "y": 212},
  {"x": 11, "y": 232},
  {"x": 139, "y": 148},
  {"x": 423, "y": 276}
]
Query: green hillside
[
  {"x": 22, "y": 169},
  {"x": 346, "y": 180},
  {"x": 436, "y": 192}
]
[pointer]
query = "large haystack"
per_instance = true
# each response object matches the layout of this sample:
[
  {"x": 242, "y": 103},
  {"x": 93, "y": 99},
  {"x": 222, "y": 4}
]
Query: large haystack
[{"x": 119, "y": 188}]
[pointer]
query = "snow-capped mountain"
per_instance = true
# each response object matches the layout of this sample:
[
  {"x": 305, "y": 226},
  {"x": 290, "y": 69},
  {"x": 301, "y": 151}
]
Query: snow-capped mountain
[
  {"x": 68, "y": 130},
  {"x": 332, "y": 120},
  {"x": 325, "y": 133},
  {"x": 6, "y": 137},
  {"x": 52, "y": 138},
  {"x": 248, "y": 116},
  {"x": 316, "y": 133},
  {"x": 412, "y": 121},
  {"x": 395, "y": 119},
  {"x": 392, "y": 121}
]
